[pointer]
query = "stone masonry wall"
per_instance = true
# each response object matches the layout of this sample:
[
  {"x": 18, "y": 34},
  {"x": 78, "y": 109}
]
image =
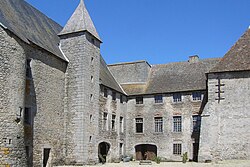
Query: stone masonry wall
[
  {"x": 226, "y": 119},
  {"x": 45, "y": 100},
  {"x": 81, "y": 97},
  {"x": 12, "y": 92},
  {"x": 163, "y": 140},
  {"x": 115, "y": 137}
]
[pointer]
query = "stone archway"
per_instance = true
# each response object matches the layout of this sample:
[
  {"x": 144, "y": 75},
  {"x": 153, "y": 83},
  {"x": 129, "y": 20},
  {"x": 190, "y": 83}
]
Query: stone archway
[
  {"x": 145, "y": 151},
  {"x": 103, "y": 150}
]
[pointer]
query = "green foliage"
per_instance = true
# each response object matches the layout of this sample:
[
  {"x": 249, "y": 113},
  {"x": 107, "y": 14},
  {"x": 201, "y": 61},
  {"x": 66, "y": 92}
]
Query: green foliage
[
  {"x": 185, "y": 157},
  {"x": 157, "y": 159}
]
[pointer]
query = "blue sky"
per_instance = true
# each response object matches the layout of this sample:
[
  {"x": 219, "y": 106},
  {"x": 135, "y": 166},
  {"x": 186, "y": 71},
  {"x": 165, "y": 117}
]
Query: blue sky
[{"x": 159, "y": 31}]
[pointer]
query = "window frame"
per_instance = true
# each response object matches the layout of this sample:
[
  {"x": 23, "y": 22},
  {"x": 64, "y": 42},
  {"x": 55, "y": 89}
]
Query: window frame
[
  {"x": 196, "y": 96},
  {"x": 177, "y": 97},
  {"x": 139, "y": 125},
  {"x": 158, "y": 121},
  {"x": 158, "y": 98},
  {"x": 177, "y": 124},
  {"x": 139, "y": 99},
  {"x": 177, "y": 149}
]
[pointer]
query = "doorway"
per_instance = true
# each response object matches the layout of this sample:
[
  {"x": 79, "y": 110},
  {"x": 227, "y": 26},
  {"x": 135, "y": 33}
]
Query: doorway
[
  {"x": 145, "y": 151},
  {"x": 103, "y": 150}
]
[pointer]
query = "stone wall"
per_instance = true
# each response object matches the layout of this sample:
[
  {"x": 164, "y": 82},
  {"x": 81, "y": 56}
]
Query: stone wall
[
  {"x": 81, "y": 97},
  {"x": 163, "y": 140},
  {"x": 12, "y": 93},
  {"x": 224, "y": 132},
  {"x": 113, "y": 136}
]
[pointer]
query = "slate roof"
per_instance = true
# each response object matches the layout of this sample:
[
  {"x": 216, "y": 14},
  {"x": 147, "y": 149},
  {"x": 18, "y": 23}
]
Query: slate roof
[
  {"x": 237, "y": 58},
  {"x": 107, "y": 78},
  {"x": 30, "y": 25},
  {"x": 174, "y": 77},
  {"x": 80, "y": 21}
]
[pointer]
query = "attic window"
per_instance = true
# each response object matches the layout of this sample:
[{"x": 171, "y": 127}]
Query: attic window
[
  {"x": 196, "y": 96},
  {"x": 139, "y": 100},
  {"x": 177, "y": 97},
  {"x": 121, "y": 99},
  {"x": 158, "y": 99},
  {"x": 92, "y": 40},
  {"x": 113, "y": 95}
]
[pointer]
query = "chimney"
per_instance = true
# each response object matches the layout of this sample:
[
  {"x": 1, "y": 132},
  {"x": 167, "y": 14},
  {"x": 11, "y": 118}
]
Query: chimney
[{"x": 193, "y": 59}]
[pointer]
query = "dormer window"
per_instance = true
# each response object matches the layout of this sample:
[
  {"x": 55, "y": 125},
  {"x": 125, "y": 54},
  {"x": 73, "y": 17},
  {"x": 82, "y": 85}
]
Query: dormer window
[{"x": 158, "y": 99}]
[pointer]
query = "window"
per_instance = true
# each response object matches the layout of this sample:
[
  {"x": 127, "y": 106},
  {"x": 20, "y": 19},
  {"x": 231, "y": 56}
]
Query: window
[
  {"x": 196, "y": 123},
  {"x": 105, "y": 92},
  {"x": 27, "y": 116},
  {"x": 139, "y": 125},
  {"x": 91, "y": 97},
  {"x": 177, "y": 97},
  {"x": 158, "y": 99},
  {"x": 92, "y": 79},
  {"x": 121, "y": 99},
  {"x": 113, "y": 122},
  {"x": 177, "y": 123},
  {"x": 113, "y": 95},
  {"x": 196, "y": 96},
  {"x": 158, "y": 124},
  {"x": 121, "y": 124},
  {"x": 121, "y": 149},
  {"x": 92, "y": 60},
  {"x": 28, "y": 69},
  {"x": 139, "y": 100},
  {"x": 177, "y": 149},
  {"x": 105, "y": 116}
]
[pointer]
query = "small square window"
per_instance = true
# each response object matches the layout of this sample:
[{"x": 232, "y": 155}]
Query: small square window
[
  {"x": 177, "y": 97},
  {"x": 139, "y": 100},
  {"x": 158, "y": 99},
  {"x": 196, "y": 96},
  {"x": 177, "y": 149}
]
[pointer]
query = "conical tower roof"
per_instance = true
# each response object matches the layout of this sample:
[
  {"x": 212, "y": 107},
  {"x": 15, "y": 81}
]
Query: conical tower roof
[{"x": 80, "y": 21}]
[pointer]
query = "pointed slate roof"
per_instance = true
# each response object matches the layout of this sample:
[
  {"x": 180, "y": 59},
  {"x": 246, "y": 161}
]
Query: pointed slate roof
[
  {"x": 30, "y": 25},
  {"x": 80, "y": 21},
  {"x": 237, "y": 58}
]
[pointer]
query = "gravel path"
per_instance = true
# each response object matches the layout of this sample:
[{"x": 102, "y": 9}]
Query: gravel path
[{"x": 235, "y": 163}]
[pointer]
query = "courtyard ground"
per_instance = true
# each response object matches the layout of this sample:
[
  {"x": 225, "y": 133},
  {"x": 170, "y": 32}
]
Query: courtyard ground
[{"x": 235, "y": 163}]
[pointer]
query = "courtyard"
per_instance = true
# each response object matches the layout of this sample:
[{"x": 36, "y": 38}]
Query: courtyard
[{"x": 231, "y": 163}]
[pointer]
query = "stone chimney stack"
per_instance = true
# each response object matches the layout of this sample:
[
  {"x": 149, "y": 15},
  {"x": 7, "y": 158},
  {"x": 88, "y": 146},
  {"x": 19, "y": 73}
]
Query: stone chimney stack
[{"x": 193, "y": 59}]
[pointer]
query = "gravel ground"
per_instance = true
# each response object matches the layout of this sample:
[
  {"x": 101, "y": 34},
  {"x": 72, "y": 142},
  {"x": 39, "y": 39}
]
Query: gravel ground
[{"x": 235, "y": 163}]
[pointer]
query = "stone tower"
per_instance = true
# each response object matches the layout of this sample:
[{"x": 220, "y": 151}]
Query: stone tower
[{"x": 80, "y": 43}]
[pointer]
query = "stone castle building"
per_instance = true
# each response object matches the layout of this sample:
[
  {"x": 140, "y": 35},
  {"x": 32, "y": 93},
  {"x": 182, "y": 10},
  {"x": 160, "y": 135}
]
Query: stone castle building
[{"x": 61, "y": 104}]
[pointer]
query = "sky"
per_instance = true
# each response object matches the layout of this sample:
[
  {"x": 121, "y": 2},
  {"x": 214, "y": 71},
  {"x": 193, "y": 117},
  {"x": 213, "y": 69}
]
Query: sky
[{"x": 159, "y": 31}]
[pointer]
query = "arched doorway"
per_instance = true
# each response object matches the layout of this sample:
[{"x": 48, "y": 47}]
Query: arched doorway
[
  {"x": 145, "y": 151},
  {"x": 103, "y": 149}
]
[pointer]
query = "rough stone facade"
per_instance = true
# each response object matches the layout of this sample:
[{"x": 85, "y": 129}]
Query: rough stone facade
[
  {"x": 224, "y": 132},
  {"x": 60, "y": 104}
]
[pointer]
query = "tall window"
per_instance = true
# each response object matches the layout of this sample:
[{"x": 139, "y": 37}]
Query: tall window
[
  {"x": 28, "y": 69},
  {"x": 196, "y": 123},
  {"x": 196, "y": 96},
  {"x": 105, "y": 118},
  {"x": 158, "y": 99},
  {"x": 113, "y": 122},
  {"x": 121, "y": 99},
  {"x": 139, "y": 125},
  {"x": 105, "y": 92},
  {"x": 121, "y": 124},
  {"x": 158, "y": 124},
  {"x": 27, "y": 116},
  {"x": 113, "y": 95},
  {"x": 177, "y": 123},
  {"x": 177, "y": 97},
  {"x": 177, "y": 149},
  {"x": 139, "y": 100}
]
